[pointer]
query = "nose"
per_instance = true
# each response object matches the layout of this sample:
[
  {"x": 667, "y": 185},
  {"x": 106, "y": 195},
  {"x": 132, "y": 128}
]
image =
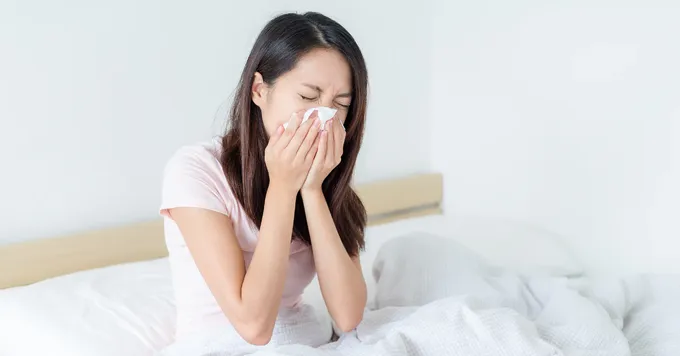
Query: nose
[{"x": 327, "y": 102}]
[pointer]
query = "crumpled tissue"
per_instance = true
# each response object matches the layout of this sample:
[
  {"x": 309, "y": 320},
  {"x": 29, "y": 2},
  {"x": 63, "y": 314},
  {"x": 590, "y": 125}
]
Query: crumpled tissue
[{"x": 325, "y": 114}]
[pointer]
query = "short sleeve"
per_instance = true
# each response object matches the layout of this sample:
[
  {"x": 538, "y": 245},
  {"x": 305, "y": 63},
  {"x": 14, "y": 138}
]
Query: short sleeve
[{"x": 193, "y": 178}]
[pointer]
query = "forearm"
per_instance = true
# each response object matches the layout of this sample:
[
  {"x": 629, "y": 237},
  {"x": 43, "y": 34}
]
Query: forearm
[
  {"x": 264, "y": 281},
  {"x": 340, "y": 277}
]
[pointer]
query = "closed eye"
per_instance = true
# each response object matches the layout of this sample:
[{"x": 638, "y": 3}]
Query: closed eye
[{"x": 307, "y": 98}]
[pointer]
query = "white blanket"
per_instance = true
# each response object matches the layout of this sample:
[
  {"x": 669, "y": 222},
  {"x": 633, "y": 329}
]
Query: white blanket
[
  {"x": 549, "y": 319},
  {"x": 449, "y": 302}
]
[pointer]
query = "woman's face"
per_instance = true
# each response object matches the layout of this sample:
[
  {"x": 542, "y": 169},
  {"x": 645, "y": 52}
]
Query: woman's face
[{"x": 321, "y": 78}]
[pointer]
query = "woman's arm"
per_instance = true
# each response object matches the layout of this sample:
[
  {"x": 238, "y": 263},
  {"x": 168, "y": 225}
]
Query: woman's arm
[
  {"x": 340, "y": 277},
  {"x": 251, "y": 299}
]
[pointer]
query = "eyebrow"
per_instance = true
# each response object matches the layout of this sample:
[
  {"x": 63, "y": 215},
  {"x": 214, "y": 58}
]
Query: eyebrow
[{"x": 317, "y": 88}]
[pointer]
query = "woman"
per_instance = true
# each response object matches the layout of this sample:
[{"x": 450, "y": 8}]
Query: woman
[{"x": 251, "y": 218}]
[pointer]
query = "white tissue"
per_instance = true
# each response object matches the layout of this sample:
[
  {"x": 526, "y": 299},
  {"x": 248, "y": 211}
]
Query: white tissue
[{"x": 324, "y": 114}]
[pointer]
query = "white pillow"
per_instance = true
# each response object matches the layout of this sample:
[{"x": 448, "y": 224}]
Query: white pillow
[
  {"x": 419, "y": 268},
  {"x": 126, "y": 309},
  {"x": 518, "y": 246}
]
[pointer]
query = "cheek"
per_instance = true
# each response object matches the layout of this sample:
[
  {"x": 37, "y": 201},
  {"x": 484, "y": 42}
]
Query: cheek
[{"x": 278, "y": 111}]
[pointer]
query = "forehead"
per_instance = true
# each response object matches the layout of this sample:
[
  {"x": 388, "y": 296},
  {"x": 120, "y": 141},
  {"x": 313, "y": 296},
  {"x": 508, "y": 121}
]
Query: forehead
[{"x": 325, "y": 68}]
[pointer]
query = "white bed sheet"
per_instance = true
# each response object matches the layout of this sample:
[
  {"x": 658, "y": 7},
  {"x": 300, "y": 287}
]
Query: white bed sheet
[{"x": 129, "y": 310}]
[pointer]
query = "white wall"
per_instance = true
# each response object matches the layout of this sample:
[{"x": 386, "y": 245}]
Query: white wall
[
  {"x": 565, "y": 115},
  {"x": 95, "y": 96}
]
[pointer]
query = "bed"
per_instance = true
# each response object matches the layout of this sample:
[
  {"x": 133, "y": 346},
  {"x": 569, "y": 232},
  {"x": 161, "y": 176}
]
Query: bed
[{"x": 109, "y": 292}]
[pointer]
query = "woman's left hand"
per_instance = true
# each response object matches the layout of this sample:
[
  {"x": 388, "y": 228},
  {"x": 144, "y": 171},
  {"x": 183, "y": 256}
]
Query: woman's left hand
[{"x": 328, "y": 155}]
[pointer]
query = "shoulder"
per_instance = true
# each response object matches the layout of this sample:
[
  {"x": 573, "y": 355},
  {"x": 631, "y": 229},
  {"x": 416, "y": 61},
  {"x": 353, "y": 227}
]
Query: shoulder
[
  {"x": 193, "y": 177},
  {"x": 201, "y": 156}
]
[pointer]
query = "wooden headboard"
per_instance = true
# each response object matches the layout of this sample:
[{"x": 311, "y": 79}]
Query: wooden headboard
[{"x": 29, "y": 262}]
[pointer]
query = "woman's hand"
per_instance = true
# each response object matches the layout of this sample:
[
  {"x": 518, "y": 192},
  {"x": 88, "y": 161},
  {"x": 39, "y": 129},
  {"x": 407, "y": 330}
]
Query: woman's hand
[
  {"x": 328, "y": 155},
  {"x": 291, "y": 151}
]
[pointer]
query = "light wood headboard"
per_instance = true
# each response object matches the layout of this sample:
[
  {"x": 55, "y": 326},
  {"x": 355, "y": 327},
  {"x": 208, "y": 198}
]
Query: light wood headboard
[{"x": 29, "y": 262}]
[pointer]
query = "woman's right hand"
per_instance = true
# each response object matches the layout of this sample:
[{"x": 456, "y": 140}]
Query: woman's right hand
[{"x": 290, "y": 152}]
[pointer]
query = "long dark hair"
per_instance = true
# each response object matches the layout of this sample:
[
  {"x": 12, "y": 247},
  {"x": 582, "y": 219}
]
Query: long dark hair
[{"x": 282, "y": 42}]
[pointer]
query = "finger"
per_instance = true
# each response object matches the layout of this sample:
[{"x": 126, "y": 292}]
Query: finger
[
  {"x": 312, "y": 135},
  {"x": 301, "y": 133},
  {"x": 314, "y": 150},
  {"x": 289, "y": 133},
  {"x": 321, "y": 152},
  {"x": 330, "y": 146},
  {"x": 276, "y": 135}
]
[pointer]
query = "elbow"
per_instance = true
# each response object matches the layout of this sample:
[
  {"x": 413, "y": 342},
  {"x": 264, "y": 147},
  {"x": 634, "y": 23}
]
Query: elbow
[
  {"x": 350, "y": 318},
  {"x": 258, "y": 334},
  {"x": 255, "y": 328},
  {"x": 349, "y": 322},
  {"x": 259, "y": 339}
]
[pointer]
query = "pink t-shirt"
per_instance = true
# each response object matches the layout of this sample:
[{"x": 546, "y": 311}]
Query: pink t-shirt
[{"x": 193, "y": 177}]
